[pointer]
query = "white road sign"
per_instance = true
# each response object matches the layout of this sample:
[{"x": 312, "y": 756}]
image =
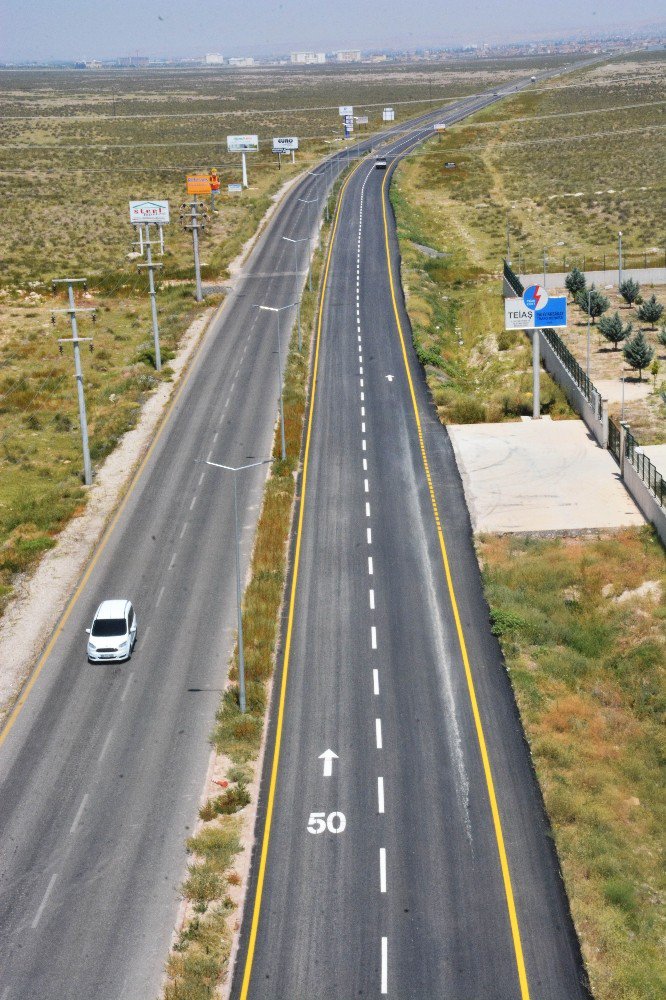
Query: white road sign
[
  {"x": 345, "y": 109},
  {"x": 242, "y": 143},
  {"x": 149, "y": 211},
  {"x": 284, "y": 143},
  {"x": 388, "y": 115},
  {"x": 362, "y": 119}
]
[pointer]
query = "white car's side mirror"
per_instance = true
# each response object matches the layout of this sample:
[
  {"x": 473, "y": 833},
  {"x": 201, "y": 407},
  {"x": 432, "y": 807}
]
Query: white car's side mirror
[{"x": 88, "y": 631}]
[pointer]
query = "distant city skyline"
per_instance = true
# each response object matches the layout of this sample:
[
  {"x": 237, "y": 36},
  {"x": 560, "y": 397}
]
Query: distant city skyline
[{"x": 81, "y": 29}]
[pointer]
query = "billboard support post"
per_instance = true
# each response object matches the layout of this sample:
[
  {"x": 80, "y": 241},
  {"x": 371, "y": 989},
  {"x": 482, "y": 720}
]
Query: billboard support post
[
  {"x": 150, "y": 267},
  {"x": 536, "y": 376},
  {"x": 195, "y": 222}
]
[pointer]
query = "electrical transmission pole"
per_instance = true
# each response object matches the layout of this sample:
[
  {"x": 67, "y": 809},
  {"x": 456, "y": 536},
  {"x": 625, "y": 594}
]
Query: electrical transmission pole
[
  {"x": 150, "y": 267},
  {"x": 194, "y": 222},
  {"x": 75, "y": 340}
]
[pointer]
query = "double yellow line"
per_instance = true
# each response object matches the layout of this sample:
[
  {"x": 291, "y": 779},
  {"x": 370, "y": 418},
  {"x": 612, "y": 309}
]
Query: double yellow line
[{"x": 256, "y": 912}]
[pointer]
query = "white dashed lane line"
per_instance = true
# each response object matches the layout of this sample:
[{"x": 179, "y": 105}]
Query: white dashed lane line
[
  {"x": 378, "y": 733},
  {"x": 375, "y": 681},
  {"x": 382, "y": 869},
  {"x": 370, "y": 570},
  {"x": 384, "y": 973},
  {"x": 127, "y": 686},
  {"x": 380, "y": 795},
  {"x": 106, "y": 746},
  {"x": 44, "y": 901},
  {"x": 183, "y": 530},
  {"x": 369, "y": 535},
  {"x": 373, "y": 636},
  {"x": 372, "y": 599},
  {"x": 79, "y": 813}
]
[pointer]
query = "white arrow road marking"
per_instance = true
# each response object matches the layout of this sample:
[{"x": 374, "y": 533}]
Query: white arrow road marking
[
  {"x": 328, "y": 757},
  {"x": 390, "y": 378}
]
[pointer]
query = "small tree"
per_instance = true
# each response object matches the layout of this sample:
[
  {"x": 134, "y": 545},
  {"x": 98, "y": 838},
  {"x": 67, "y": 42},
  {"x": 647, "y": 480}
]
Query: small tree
[
  {"x": 650, "y": 312},
  {"x": 575, "y": 282},
  {"x": 654, "y": 371},
  {"x": 661, "y": 336},
  {"x": 613, "y": 329},
  {"x": 592, "y": 302},
  {"x": 630, "y": 290},
  {"x": 638, "y": 353}
]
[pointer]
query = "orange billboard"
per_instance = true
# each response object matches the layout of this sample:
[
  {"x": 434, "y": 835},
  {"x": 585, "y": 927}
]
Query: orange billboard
[{"x": 198, "y": 184}]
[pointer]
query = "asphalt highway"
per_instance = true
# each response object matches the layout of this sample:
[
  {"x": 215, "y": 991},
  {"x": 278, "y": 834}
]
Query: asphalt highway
[
  {"x": 416, "y": 862},
  {"x": 101, "y": 770}
]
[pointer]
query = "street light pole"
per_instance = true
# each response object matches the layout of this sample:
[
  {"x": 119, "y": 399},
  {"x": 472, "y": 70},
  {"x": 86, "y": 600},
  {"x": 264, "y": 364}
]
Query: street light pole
[
  {"x": 589, "y": 312},
  {"x": 241, "y": 652},
  {"x": 619, "y": 259},
  {"x": 301, "y": 239},
  {"x": 278, "y": 310}
]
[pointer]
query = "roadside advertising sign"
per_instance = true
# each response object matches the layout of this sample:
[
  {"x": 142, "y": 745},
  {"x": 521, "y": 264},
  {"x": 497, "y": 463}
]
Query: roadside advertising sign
[
  {"x": 361, "y": 119},
  {"x": 214, "y": 179},
  {"x": 535, "y": 310},
  {"x": 349, "y": 125},
  {"x": 345, "y": 109},
  {"x": 198, "y": 184},
  {"x": 242, "y": 143},
  {"x": 149, "y": 211},
  {"x": 388, "y": 115},
  {"x": 285, "y": 143},
  {"x": 235, "y": 188},
  {"x": 439, "y": 127}
]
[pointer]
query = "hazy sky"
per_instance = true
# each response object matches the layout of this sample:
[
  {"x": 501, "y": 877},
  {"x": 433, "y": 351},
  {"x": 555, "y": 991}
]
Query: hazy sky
[{"x": 83, "y": 29}]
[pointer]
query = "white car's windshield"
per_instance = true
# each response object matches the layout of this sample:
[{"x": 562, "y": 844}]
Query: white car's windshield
[{"x": 109, "y": 626}]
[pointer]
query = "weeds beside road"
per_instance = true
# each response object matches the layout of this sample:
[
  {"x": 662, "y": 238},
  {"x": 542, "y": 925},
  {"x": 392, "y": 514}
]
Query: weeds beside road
[{"x": 581, "y": 623}]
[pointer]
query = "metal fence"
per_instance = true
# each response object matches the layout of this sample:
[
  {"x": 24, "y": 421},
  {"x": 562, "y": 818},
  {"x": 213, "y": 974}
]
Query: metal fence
[
  {"x": 645, "y": 468},
  {"x": 513, "y": 279},
  {"x": 614, "y": 439},
  {"x": 585, "y": 384}
]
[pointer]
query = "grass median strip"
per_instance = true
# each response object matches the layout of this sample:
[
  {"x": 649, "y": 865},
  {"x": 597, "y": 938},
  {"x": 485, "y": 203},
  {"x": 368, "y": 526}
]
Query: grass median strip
[
  {"x": 199, "y": 960},
  {"x": 581, "y": 623}
]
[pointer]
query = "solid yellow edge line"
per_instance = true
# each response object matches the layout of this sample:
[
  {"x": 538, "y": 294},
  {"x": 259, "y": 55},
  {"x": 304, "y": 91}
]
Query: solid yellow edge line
[
  {"x": 256, "y": 912},
  {"x": 499, "y": 836},
  {"x": 14, "y": 714}
]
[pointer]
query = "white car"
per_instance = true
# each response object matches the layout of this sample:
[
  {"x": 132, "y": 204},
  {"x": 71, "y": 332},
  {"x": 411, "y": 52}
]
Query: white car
[
  {"x": 113, "y": 632},
  {"x": 380, "y": 162}
]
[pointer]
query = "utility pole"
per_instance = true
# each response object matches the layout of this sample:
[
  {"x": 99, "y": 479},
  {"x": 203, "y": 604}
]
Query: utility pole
[
  {"x": 508, "y": 241},
  {"x": 241, "y": 653},
  {"x": 150, "y": 267},
  {"x": 75, "y": 340},
  {"x": 619, "y": 259},
  {"x": 589, "y": 310},
  {"x": 194, "y": 222},
  {"x": 545, "y": 266}
]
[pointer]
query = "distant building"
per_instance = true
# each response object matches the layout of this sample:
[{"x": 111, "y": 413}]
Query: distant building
[
  {"x": 241, "y": 61},
  {"x": 348, "y": 55},
  {"x": 132, "y": 61},
  {"x": 214, "y": 59},
  {"x": 308, "y": 58}
]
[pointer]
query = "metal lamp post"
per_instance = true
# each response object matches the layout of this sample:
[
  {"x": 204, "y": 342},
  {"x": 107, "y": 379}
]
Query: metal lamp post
[
  {"x": 300, "y": 239},
  {"x": 278, "y": 310},
  {"x": 589, "y": 313},
  {"x": 308, "y": 202},
  {"x": 241, "y": 654},
  {"x": 321, "y": 173},
  {"x": 619, "y": 259}
]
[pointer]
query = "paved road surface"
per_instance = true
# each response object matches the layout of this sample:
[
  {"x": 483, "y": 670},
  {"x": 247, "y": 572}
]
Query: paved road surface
[
  {"x": 386, "y": 877},
  {"x": 101, "y": 772}
]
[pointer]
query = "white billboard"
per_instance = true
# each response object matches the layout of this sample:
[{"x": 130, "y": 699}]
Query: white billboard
[
  {"x": 284, "y": 143},
  {"x": 149, "y": 211},
  {"x": 242, "y": 143},
  {"x": 388, "y": 115},
  {"x": 345, "y": 109},
  {"x": 361, "y": 119}
]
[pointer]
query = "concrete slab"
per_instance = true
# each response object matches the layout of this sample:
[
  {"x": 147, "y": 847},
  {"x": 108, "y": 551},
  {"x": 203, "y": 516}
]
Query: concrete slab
[{"x": 540, "y": 476}]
